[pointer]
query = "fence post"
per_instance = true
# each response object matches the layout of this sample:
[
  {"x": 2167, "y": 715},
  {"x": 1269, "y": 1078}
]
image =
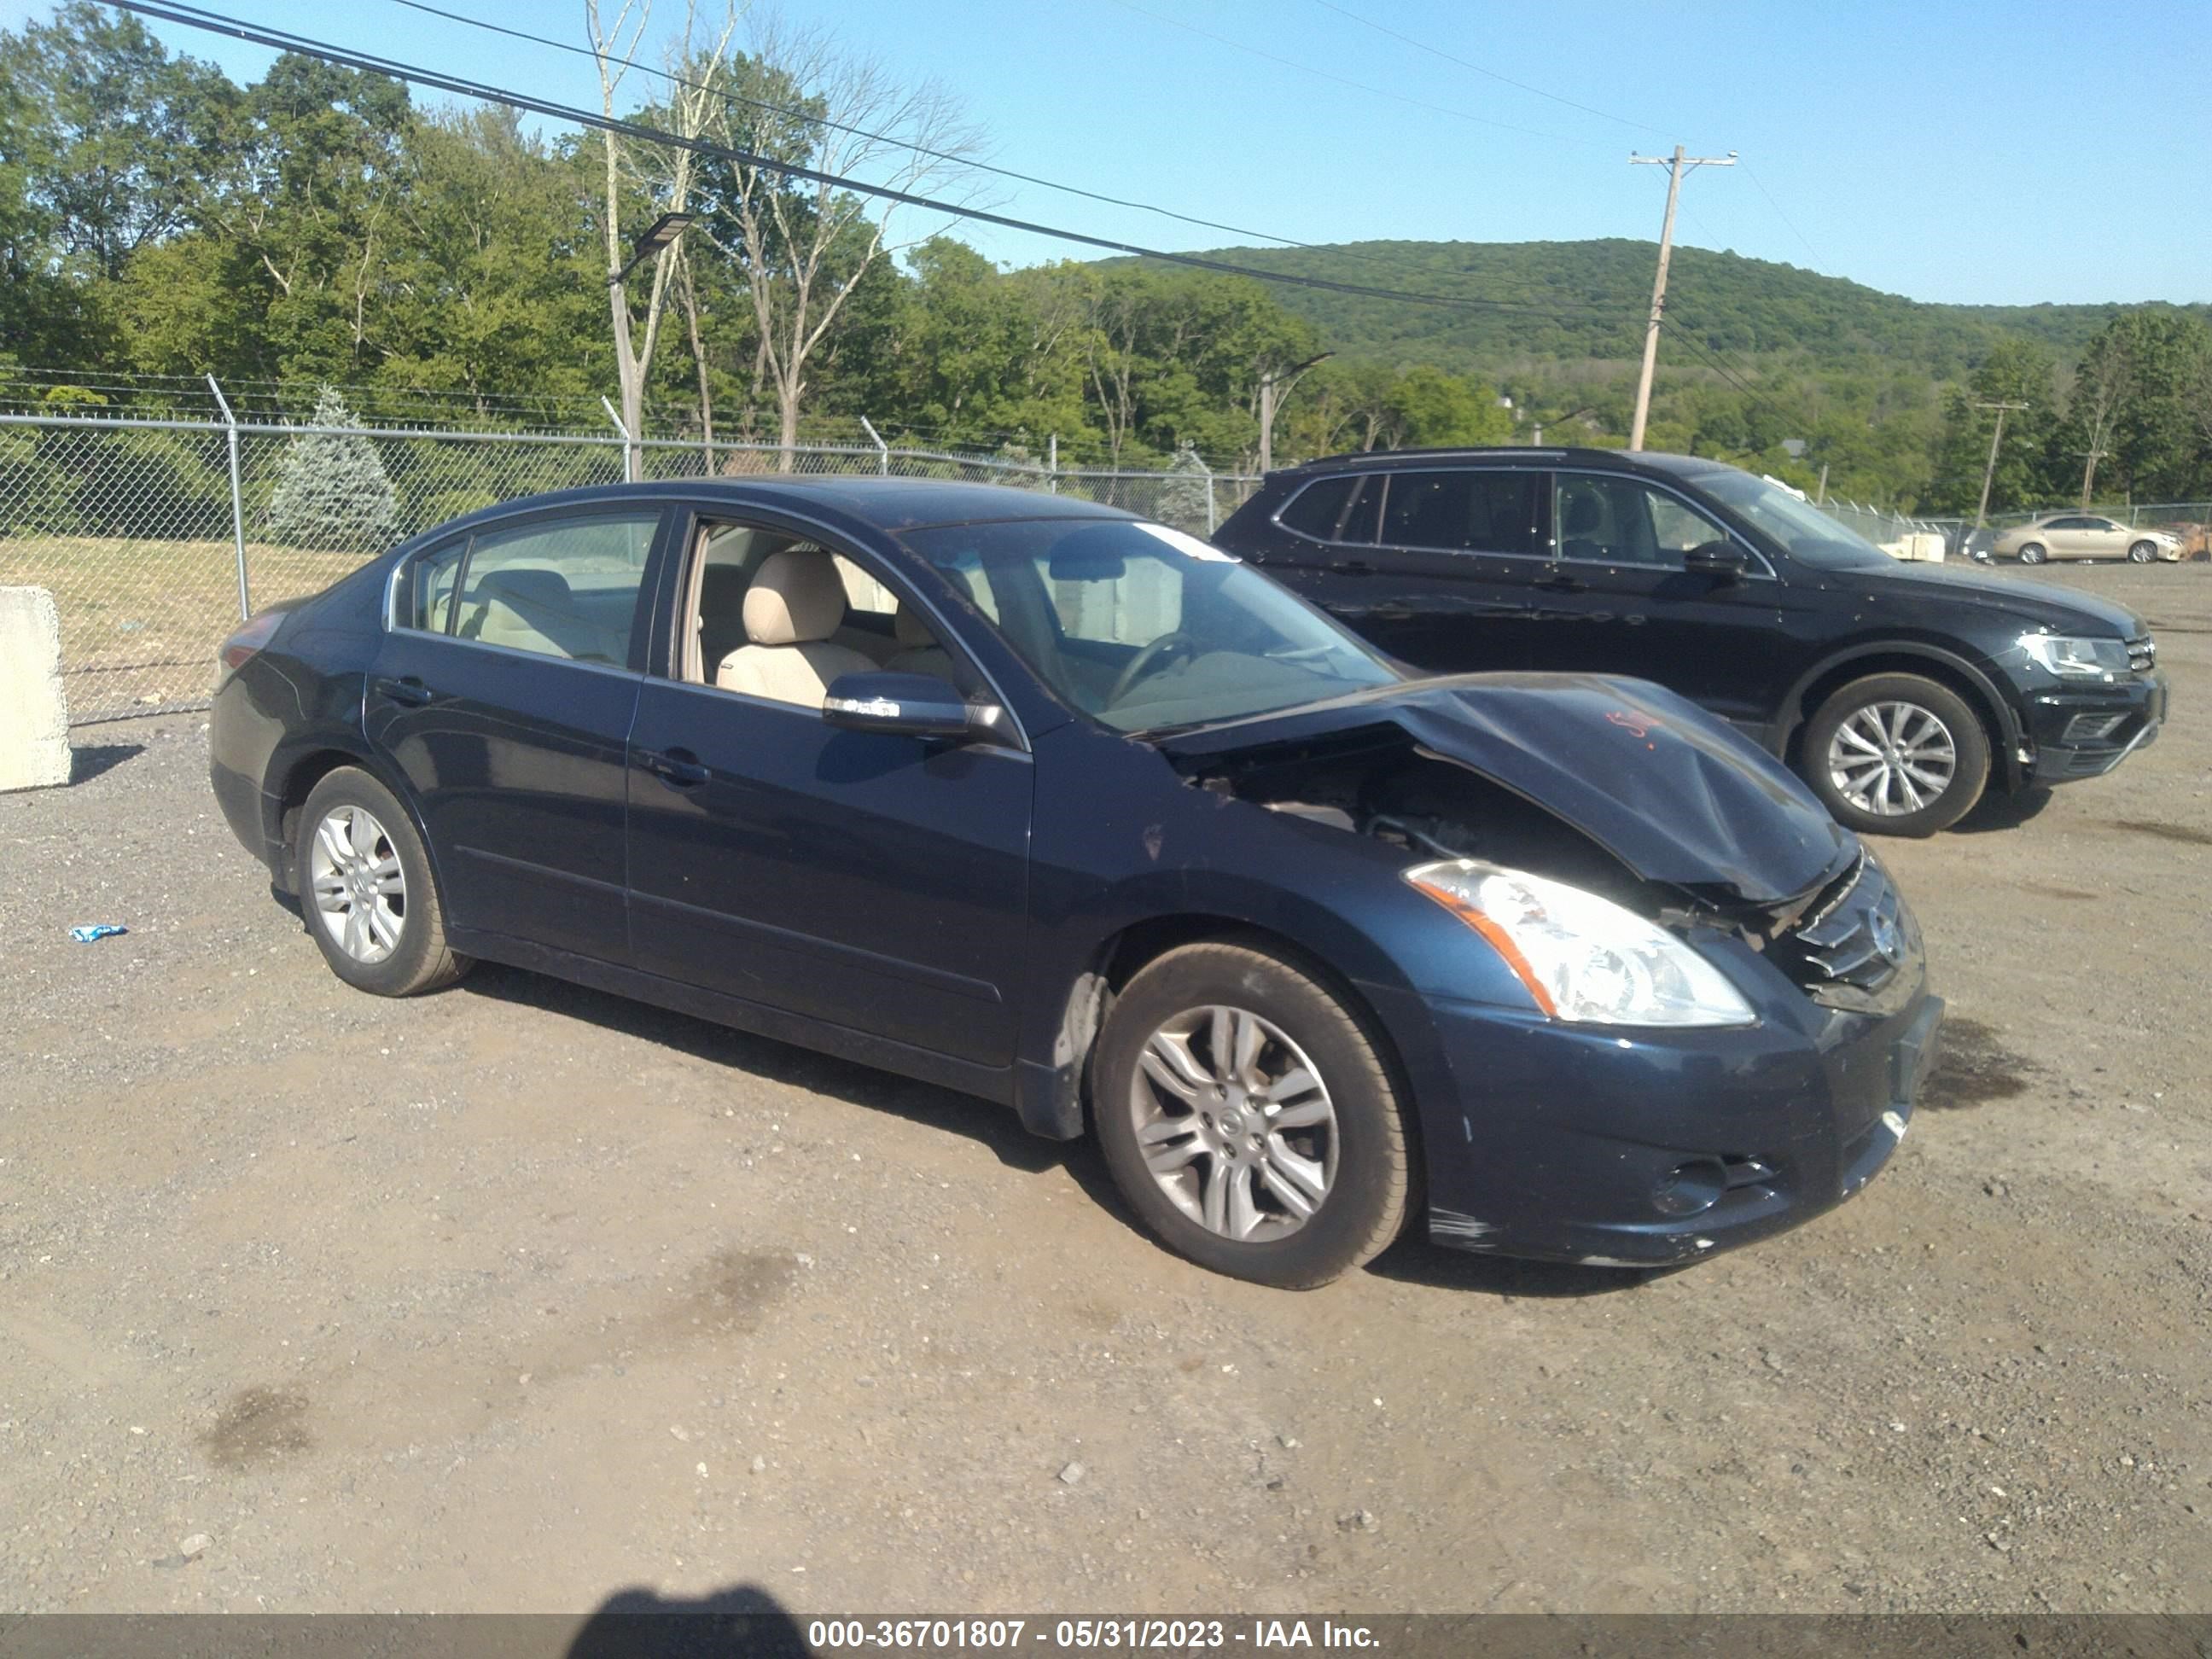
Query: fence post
[
  {"x": 883, "y": 449},
  {"x": 237, "y": 499},
  {"x": 1203, "y": 467},
  {"x": 631, "y": 459},
  {"x": 1052, "y": 464}
]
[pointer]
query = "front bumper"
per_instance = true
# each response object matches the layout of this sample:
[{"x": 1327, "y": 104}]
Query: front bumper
[
  {"x": 1574, "y": 1144},
  {"x": 2086, "y": 732}
]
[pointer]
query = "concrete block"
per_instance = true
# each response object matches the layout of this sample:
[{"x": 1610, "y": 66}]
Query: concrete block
[{"x": 35, "y": 748}]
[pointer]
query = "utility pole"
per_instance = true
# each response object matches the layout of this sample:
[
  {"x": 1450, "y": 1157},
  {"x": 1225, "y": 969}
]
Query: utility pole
[
  {"x": 1822, "y": 494},
  {"x": 2090, "y": 456},
  {"x": 1676, "y": 166},
  {"x": 1270, "y": 400},
  {"x": 1989, "y": 472}
]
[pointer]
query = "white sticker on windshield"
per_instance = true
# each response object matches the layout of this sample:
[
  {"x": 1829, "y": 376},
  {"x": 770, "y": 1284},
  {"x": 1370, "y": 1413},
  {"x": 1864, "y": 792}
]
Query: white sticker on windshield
[{"x": 1186, "y": 544}]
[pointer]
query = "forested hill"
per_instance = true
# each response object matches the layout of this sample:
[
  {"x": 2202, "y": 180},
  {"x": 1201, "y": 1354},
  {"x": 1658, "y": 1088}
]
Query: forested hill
[{"x": 1587, "y": 300}]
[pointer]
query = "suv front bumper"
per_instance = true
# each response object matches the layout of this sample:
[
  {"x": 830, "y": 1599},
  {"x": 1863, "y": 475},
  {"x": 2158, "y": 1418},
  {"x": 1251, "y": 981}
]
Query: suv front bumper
[{"x": 2086, "y": 732}]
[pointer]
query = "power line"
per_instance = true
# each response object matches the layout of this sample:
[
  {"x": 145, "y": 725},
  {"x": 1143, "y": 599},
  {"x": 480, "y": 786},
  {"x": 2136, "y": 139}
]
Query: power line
[
  {"x": 1817, "y": 261},
  {"x": 1504, "y": 80},
  {"x": 218, "y": 23},
  {"x": 1344, "y": 80},
  {"x": 674, "y": 79}
]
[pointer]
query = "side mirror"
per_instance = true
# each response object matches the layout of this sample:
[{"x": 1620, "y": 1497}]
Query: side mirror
[
  {"x": 917, "y": 705},
  {"x": 1722, "y": 559}
]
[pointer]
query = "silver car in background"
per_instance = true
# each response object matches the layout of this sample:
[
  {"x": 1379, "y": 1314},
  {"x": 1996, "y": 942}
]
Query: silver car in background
[{"x": 2084, "y": 536}]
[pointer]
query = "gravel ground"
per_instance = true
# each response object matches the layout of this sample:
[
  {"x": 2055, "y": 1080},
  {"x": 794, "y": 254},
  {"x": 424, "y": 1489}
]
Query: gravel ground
[{"x": 516, "y": 1296}]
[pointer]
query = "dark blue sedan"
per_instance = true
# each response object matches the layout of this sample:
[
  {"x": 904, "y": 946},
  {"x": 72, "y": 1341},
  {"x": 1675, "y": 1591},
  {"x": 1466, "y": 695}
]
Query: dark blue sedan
[{"x": 1034, "y": 800}]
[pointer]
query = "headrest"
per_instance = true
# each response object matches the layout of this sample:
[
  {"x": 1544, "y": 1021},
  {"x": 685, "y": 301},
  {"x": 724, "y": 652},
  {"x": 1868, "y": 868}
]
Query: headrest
[
  {"x": 796, "y": 599},
  {"x": 910, "y": 631},
  {"x": 1583, "y": 515},
  {"x": 527, "y": 584}
]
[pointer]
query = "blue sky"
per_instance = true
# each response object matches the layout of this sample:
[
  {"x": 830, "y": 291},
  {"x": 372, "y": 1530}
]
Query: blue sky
[{"x": 1969, "y": 151}]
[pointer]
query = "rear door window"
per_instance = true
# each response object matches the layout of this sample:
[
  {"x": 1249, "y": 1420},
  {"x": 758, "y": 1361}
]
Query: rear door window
[
  {"x": 558, "y": 587},
  {"x": 1466, "y": 510}
]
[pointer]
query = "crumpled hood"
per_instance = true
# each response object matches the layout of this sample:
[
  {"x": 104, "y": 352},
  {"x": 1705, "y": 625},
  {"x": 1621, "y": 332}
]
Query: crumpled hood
[{"x": 1674, "y": 793}]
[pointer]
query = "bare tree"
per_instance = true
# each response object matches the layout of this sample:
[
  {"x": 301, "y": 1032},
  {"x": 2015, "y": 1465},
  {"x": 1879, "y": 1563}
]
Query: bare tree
[
  {"x": 804, "y": 245},
  {"x": 666, "y": 175}
]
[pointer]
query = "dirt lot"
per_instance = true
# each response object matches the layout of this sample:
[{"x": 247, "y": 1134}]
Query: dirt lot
[{"x": 518, "y": 1295}]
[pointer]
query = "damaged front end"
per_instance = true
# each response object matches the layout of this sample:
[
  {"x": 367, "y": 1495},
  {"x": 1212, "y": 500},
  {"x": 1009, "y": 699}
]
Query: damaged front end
[{"x": 1745, "y": 1050}]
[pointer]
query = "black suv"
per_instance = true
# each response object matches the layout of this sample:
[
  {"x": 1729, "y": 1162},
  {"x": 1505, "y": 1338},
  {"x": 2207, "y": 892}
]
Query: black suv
[{"x": 1899, "y": 691}]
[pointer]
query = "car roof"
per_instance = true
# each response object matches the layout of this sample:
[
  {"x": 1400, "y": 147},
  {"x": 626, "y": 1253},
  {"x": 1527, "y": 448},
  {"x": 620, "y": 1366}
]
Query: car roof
[
  {"x": 1515, "y": 454},
  {"x": 886, "y": 504}
]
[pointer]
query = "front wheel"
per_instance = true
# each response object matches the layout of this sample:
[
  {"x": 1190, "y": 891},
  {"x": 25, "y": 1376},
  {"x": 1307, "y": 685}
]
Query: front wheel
[
  {"x": 1249, "y": 1119},
  {"x": 1896, "y": 755},
  {"x": 2142, "y": 553},
  {"x": 2032, "y": 553},
  {"x": 364, "y": 882}
]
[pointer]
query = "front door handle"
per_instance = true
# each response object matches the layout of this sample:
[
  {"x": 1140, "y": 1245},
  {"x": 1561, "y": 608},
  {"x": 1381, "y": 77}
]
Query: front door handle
[
  {"x": 408, "y": 690},
  {"x": 1564, "y": 585},
  {"x": 1354, "y": 568},
  {"x": 679, "y": 768}
]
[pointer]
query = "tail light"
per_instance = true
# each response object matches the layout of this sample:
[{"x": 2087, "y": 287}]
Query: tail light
[{"x": 254, "y": 633}]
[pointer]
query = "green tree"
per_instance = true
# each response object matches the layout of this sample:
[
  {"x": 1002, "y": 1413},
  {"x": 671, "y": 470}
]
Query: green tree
[
  {"x": 331, "y": 489},
  {"x": 2014, "y": 371}
]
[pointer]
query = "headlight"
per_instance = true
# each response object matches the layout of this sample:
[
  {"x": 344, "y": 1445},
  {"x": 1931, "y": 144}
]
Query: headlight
[
  {"x": 2076, "y": 658},
  {"x": 1583, "y": 958}
]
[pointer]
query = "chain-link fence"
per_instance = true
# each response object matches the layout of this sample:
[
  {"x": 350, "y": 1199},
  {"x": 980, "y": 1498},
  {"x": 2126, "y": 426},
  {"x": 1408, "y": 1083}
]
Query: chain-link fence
[{"x": 155, "y": 537}]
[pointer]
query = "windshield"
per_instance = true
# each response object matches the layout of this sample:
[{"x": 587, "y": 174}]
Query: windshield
[
  {"x": 1809, "y": 534},
  {"x": 1142, "y": 627}
]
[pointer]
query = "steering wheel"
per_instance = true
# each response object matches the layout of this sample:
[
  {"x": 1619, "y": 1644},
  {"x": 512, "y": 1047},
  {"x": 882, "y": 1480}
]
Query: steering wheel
[{"x": 1149, "y": 660}]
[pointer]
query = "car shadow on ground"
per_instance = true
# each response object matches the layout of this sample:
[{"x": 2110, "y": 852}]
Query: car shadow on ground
[
  {"x": 741, "y": 1622},
  {"x": 88, "y": 762},
  {"x": 1412, "y": 1261},
  {"x": 994, "y": 1127},
  {"x": 1998, "y": 811}
]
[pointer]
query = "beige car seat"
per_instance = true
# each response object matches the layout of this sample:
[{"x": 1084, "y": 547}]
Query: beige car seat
[
  {"x": 919, "y": 653},
  {"x": 531, "y": 609},
  {"x": 795, "y": 604}
]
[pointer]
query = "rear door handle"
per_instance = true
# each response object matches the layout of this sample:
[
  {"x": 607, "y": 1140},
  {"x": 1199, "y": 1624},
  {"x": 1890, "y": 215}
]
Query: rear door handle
[
  {"x": 1354, "y": 568},
  {"x": 410, "y": 690},
  {"x": 679, "y": 768},
  {"x": 1564, "y": 585}
]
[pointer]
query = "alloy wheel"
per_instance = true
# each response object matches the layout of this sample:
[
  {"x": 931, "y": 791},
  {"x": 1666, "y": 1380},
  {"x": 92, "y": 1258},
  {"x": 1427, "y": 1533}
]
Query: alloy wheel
[
  {"x": 1891, "y": 759},
  {"x": 359, "y": 891},
  {"x": 2142, "y": 553},
  {"x": 1235, "y": 1123}
]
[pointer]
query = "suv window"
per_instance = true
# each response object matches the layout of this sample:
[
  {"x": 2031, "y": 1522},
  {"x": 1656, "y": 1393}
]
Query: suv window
[
  {"x": 1318, "y": 509},
  {"x": 1620, "y": 521},
  {"x": 560, "y": 587},
  {"x": 1485, "y": 511}
]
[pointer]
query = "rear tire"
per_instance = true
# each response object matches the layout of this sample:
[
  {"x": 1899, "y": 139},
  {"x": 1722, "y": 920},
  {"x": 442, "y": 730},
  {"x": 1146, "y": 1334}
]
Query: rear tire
[
  {"x": 1896, "y": 755},
  {"x": 1293, "y": 1134},
  {"x": 365, "y": 886},
  {"x": 2032, "y": 553},
  {"x": 2142, "y": 552}
]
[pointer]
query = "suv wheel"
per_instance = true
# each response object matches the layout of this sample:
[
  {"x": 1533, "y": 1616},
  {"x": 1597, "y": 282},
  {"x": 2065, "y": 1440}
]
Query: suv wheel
[
  {"x": 364, "y": 882},
  {"x": 2032, "y": 553},
  {"x": 1896, "y": 755},
  {"x": 1247, "y": 1119},
  {"x": 2142, "y": 553}
]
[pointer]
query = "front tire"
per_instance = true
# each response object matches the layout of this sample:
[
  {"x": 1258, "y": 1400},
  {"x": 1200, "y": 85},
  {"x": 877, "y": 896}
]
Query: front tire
[
  {"x": 2032, "y": 553},
  {"x": 1896, "y": 755},
  {"x": 365, "y": 885},
  {"x": 2142, "y": 552},
  {"x": 1249, "y": 1118}
]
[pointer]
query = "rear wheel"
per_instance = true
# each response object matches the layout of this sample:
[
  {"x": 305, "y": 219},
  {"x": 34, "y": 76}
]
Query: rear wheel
[
  {"x": 2142, "y": 553},
  {"x": 1248, "y": 1118},
  {"x": 1896, "y": 755},
  {"x": 364, "y": 882},
  {"x": 2032, "y": 553}
]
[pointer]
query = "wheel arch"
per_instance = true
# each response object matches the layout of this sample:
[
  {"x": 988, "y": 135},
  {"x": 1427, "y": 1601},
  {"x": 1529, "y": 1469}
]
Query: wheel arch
[
  {"x": 1946, "y": 668},
  {"x": 294, "y": 775},
  {"x": 1054, "y": 1097}
]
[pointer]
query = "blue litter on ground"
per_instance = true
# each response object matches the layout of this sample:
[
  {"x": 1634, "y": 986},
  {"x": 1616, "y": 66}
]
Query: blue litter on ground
[{"x": 102, "y": 930}]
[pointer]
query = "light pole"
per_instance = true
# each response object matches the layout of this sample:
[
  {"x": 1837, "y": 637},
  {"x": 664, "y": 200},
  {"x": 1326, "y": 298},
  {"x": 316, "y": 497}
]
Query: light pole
[{"x": 660, "y": 234}]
